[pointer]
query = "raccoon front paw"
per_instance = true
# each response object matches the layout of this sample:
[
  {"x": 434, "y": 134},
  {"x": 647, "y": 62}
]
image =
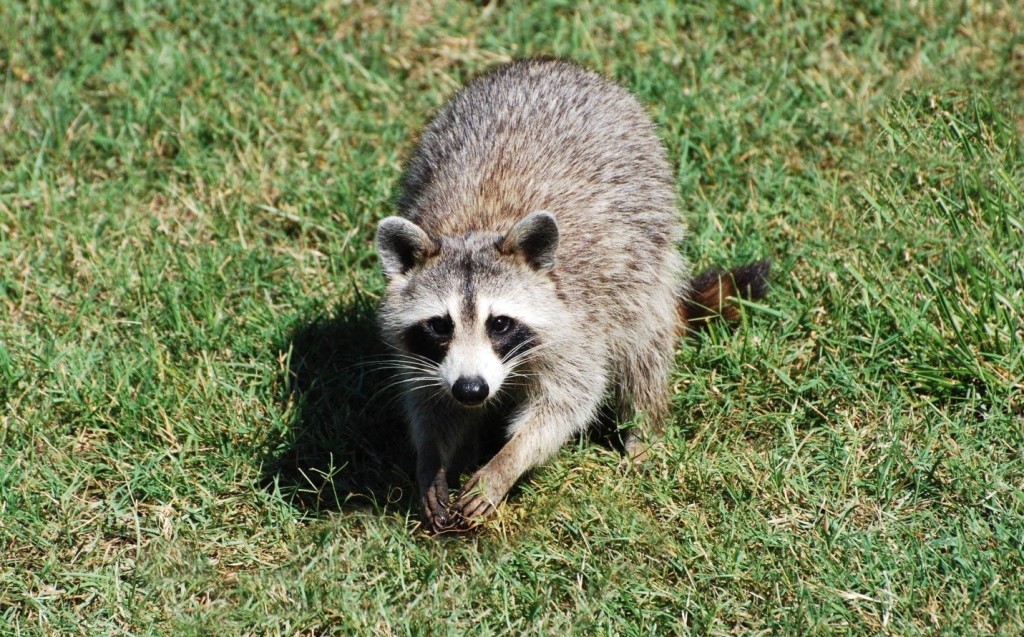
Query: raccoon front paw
[
  {"x": 435, "y": 506},
  {"x": 477, "y": 499}
]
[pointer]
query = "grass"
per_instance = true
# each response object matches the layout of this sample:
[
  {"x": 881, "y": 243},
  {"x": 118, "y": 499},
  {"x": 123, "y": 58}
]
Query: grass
[{"x": 188, "y": 193}]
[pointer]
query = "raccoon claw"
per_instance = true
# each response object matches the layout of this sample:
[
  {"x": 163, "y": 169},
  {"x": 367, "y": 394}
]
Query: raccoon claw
[
  {"x": 437, "y": 523},
  {"x": 470, "y": 511},
  {"x": 472, "y": 505}
]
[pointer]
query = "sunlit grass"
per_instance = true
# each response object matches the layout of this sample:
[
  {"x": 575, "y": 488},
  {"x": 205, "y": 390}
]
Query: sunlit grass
[{"x": 188, "y": 443}]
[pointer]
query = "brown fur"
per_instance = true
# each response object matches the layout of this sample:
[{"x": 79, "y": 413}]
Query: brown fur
[{"x": 713, "y": 294}]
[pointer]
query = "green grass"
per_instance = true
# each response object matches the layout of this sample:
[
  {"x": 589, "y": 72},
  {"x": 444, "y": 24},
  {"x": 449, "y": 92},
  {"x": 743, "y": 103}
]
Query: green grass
[{"x": 188, "y": 194}]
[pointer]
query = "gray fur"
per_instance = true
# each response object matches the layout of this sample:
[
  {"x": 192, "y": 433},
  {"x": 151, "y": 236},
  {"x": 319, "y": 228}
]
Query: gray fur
[
  {"x": 596, "y": 278},
  {"x": 400, "y": 245},
  {"x": 535, "y": 238}
]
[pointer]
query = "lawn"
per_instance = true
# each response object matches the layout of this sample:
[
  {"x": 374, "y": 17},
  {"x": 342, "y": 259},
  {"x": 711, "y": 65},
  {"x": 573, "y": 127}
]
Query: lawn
[{"x": 191, "y": 441}]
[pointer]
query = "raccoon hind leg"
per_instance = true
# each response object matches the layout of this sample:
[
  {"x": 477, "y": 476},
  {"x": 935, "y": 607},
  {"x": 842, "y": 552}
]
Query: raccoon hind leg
[{"x": 642, "y": 393}]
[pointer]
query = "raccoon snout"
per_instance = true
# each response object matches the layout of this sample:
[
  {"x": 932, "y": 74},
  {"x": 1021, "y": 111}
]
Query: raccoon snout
[{"x": 470, "y": 391}]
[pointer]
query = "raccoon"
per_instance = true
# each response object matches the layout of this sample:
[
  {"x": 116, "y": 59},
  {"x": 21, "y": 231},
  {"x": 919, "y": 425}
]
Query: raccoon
[{"x": 533, "y": 273}]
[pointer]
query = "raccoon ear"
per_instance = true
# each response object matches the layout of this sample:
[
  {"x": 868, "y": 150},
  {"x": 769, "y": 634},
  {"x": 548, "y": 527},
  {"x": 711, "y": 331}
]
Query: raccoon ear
[
  {"x": 401, "y": 244},
  {"x": 536, "y": 238}
]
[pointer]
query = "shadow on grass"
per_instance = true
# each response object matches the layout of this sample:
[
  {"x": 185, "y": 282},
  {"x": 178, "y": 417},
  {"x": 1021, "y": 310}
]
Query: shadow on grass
[{"x": 347, "y": 446}]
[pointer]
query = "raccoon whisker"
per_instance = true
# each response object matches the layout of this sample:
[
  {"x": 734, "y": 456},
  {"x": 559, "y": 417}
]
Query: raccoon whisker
[
  {"x": 403, "y": 366},
  {"x": 426, "y": 382},
  {"x": 515, "y": 384},
  {"x": 409, "y": 355},
  {"x": 406, "y": 362},
  {"x": 437, "y": 394},
  {"x": 369, "y": 362},
  {"x": 517, "y": 349},
  {"x": 413, "y": 357},
  {"x": 439, "y": 391},
  {"x": 397, "y": 349},
  {"x": 521, "y": 373},
  {"x": 403, "y": 356},
  {"x": 398, "y": 395},
  {"x": 538, "y": 349},
  {"x": 398, "y": 372},
  {"x": 522, "y": 357},
  {"x": 400, "y": 377},
  {"x": 413, "y": 384},
  {"x": 399, "y": 361},
  {"x": 361, "y": 365},
  {"x": 517, "y": 373},
  {"x": 521, "y": 378},
  {"x": 395, "y": 356},
  {"x": 399, "y": 368},
  {"x": 531, "y": 353},
  {"x": 528, "y": 347},
  {"x": 383, "y": 390},
  {"x": 504, "y": 385},
  {"x": 383, "y": 355},
  {"x": 415, "y": 378},
  {"x": 434, "y": 395},
  {"x": 521, "y": 381},
  {"x": 405, "y": 376},
  {"x": 370, "y": 400}
]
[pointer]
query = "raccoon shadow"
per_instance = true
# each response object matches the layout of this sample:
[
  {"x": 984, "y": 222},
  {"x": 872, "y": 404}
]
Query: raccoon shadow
[{"x": 346, "y": 447}]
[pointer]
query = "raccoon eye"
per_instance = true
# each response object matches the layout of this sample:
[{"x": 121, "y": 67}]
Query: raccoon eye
[
  {"x": 500, "y": 324},
  {"x": 440, "y": 325}
]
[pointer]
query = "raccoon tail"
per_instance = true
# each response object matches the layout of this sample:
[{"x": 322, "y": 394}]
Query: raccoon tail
[{"x": 712, "y": 294}]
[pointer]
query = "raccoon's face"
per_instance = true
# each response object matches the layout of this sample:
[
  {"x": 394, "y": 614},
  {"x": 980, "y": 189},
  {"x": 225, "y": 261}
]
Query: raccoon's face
[
  {"x": 467, "y": 311},
  {"x": 472, "y": 348}
]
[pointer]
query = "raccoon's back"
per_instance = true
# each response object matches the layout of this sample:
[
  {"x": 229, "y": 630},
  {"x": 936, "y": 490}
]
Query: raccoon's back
[
  {"x": 544, "y": 134},
  {"x": 535, "y": 134}
]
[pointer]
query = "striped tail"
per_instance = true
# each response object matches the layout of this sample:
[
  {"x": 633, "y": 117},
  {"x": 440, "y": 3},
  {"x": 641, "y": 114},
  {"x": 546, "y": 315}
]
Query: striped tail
[{"x": 713, "y": 293}]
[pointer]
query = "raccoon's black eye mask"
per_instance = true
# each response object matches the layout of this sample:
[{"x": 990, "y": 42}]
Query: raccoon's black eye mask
[
  {"x": 430, "y": 338},
  {"x": 441, "y": 326},
  {"x": 510, "y": 337},
  {"x": 498, "y": 325}
]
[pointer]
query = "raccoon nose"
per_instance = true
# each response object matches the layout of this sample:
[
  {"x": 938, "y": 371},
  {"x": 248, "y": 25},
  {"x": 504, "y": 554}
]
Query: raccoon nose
[{"x": 470, "y": 391}]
